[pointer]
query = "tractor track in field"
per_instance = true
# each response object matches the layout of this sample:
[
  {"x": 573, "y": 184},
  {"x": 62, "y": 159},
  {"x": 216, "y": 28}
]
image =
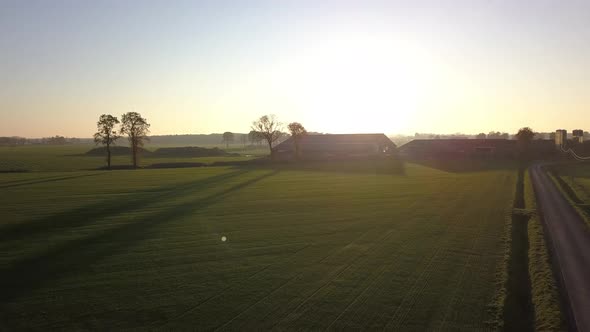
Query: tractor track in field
[
  {"x": 333, "y": 275},
  {"x": 372, "y": 248},
  {"x": 421, "y": 282},
  {"x": 570, "y": 243},
  {"x": 206, "y": 300}
]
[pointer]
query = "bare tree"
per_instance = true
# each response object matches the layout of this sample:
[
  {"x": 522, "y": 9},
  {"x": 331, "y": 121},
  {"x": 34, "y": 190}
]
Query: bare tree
[
  {"x": 269, "y": 128},
  {"x": 228, "y": 137},
  {"x": 106, "y": 133},
  {"x": 297, "y": 132},
  {"x": 136, "y": 128}
]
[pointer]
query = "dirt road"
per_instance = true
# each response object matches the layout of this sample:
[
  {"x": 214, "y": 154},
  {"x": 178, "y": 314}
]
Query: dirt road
[{"x": 570, "y": 241}]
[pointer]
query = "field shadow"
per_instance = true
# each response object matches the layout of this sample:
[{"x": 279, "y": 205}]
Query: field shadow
[
  {"x": 76, "y": 256},
  {"x": 365, "y": 166},
  {"x": 518, "y": 311},
  {"x": 518, "y": 306},
  {"x": 94, "y": 212},
  {"x": 20, "y": 183}
]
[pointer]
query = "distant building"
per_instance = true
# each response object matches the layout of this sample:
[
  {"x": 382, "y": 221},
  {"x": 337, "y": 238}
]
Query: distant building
[
  {"x": 578, "y": 136},
  {"x": 337, "y": 146},
  {"x": 560, "y": 137},
  {"x": 471, "y": 148}
]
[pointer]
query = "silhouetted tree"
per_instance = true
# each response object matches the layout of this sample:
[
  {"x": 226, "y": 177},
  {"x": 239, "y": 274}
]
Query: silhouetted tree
[
  {"x": 524, "y": 136},
  {"x": 269, "y": 129},
  {"x": 228, "y": 137},
  {"x": 297, "y": 132},
  {"x": 106, "y": 133},
  {"x": 481, "y": 136},
  {"x": 254, "y": 137},
  {"x": 136, "y": 128}
]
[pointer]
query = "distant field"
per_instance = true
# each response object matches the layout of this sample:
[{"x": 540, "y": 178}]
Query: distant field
[
  {"x": 303, "y": 249},
  {"x": 70, "y": 157}
]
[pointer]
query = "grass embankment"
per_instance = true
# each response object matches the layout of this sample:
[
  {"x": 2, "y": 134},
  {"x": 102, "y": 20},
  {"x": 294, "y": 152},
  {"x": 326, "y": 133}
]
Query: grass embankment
[
  {"x": 574, "y": 183},
  {"x": 251, "y": 249},
  {"x": 527, "y": 297}
]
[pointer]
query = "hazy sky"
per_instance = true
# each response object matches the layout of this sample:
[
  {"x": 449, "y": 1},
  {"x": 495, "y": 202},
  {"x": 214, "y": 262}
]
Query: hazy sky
[{"x": 339, "y": 66}]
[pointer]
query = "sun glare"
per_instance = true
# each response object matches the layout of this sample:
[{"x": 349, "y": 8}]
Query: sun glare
[{"x": 341, "y": 78}]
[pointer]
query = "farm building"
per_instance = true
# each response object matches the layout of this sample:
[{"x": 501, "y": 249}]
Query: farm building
[
  {"x": 336, "y": 146},
  {"x": 471, "y": 148}
]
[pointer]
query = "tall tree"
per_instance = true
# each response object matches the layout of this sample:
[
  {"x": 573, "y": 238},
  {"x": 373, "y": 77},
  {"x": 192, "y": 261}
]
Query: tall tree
[
  {"x": 228, "y": 137},
  {"x": 269, "y": 128},
  {"x": 297, "y": 132},
  {"x": 136, "y": 128},
  {"x": 524, "y": 136},
  {"x": 106, "y": 133}
]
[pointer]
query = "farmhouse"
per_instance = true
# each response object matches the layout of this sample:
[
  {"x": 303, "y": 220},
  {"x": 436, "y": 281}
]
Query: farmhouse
[
  {"x": 472, "y": 148},
  {"x": 336, "y": 146}
]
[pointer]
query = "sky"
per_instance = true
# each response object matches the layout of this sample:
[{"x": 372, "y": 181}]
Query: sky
[{"x": 397, "y": 67}]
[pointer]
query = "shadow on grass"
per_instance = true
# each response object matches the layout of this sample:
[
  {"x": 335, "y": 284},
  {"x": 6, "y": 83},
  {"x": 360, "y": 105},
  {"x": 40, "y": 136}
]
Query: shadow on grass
[
  {"x": 365, "y": 166},
  {"x": 518, "y": 307},
  {"x": 518, "y": 310},
  {"x": 76, "y": 256},
  {"x": 20, "y": 183},
  {"x": 465, "y": 165},
  {"x": 16, "y": 170},
  {"x": 95, "y": 212}
]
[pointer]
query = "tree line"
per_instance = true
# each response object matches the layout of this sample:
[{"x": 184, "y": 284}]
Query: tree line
[{"x": 265, "y": 129}]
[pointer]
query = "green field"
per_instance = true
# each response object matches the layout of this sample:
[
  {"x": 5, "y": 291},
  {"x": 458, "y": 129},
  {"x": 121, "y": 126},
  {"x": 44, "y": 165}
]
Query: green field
[
  {"x": 303, "y": 249},
  {"x": 70, "y": 157}
]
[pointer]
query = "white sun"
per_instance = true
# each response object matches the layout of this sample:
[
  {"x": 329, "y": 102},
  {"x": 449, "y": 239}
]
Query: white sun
[{"x": 357, "y": 82}]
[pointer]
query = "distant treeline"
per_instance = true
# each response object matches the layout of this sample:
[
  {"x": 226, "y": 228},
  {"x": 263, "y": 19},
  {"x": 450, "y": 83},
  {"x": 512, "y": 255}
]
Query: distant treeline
[
  {"x": 193, "y": 140},
  {"x": 55, "y": 140}
]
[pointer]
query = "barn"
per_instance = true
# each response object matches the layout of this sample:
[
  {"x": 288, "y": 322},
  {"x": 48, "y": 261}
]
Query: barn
[
  {"x": 336, "y": 147},
  {"x": 472, "y": 148}
]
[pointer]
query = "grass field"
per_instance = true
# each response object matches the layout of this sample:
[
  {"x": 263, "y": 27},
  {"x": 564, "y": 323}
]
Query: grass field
[
  {"x": 303, "y": 249},
  {"x": 70, "y": 157}
]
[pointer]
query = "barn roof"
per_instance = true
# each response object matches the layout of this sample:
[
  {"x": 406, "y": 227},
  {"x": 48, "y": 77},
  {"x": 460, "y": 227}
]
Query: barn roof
[
  {"x": 319, "y": 141},
  {"x": 448, "y": 145}
]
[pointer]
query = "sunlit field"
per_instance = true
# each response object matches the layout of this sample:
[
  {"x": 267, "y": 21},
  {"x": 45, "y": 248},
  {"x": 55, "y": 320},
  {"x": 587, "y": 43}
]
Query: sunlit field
[{"x": 251, "y": 248}]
